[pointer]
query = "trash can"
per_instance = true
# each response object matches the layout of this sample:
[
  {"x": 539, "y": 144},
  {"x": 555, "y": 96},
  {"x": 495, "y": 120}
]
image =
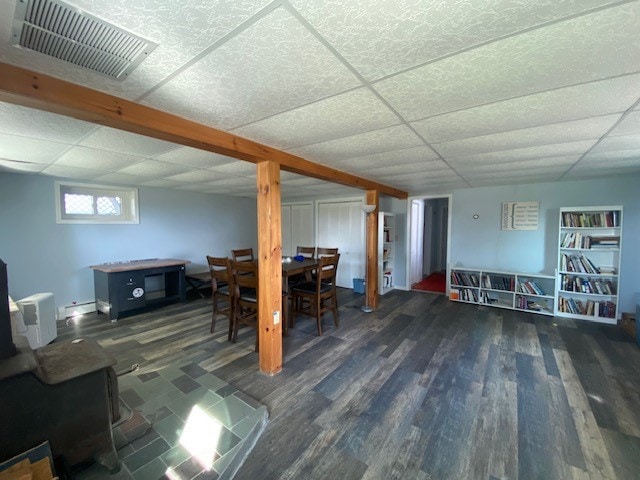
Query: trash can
[{"x": 358, "y": 285}]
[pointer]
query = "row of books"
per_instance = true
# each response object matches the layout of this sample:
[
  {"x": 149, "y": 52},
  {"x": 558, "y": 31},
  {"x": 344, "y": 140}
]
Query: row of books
[
  {"x": 525, "y": 303},
  {"x": 577, "y": 263},
  {"x": 463, "y": 294},
  {"x": 587, "y": 285},
  {"x": 577, "y": 240},
  {"x": 529, "y": 286},
  {"x": 486, "y": 298},
  {"x": 590, "y": 308},
  {"x": 591, "y": 220},
  {"x": 497, "y": 282},
  {"x": 465, "y": 279}
]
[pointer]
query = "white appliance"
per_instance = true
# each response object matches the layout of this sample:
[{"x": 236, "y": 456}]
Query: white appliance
[{"x": 35, "y": 319}]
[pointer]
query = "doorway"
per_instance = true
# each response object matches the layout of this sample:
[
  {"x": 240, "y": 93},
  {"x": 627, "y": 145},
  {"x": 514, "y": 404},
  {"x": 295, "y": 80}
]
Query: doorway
[{"x": 429, "y": 239}]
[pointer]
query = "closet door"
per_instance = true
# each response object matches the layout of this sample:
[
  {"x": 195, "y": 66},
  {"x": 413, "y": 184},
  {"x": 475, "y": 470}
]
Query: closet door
[
  {"x": 341, "y": 224},
  {"x": 286, "y": 230},
  {"x": 297, "y": 227}
]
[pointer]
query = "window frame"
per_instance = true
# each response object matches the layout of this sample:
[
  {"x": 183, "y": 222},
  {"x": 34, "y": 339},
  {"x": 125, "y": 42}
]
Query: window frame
[{"x": 129, "y": 195}]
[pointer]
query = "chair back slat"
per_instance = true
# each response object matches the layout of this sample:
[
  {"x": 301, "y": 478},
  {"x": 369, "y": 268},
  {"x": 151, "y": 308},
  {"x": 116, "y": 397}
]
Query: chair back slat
[
  {"x": 326, "y": 252},
  {"x": 306, "y": 252},
  {"x": 242, "y": 255}
]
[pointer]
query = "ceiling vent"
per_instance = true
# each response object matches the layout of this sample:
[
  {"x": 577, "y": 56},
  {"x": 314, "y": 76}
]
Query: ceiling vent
[{"x": 62, "y": 31}]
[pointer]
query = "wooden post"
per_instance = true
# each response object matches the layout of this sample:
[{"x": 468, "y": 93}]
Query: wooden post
[
  {"x": 269, "y": 267},
  {"x": 372, "y": 198}
]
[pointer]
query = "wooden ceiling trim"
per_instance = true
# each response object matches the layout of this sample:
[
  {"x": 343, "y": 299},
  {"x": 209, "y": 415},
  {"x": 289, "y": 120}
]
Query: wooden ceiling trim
[{"x": 32, "y": 89}]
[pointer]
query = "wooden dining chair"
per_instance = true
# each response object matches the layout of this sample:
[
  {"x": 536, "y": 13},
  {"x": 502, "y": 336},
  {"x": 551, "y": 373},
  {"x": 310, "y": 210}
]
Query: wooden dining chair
[
  {"x": 319, "y": 296},
  {"x": 245, "y": 279},
  {"x": 242, "y": 255},
  {"x": 221, "y": 289}
]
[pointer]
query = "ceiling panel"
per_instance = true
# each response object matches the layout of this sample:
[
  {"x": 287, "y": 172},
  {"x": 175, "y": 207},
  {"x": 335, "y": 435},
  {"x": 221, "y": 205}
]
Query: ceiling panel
[
  {"x": 521, "y": 165},
  {"x": 29, "y": 122},
  {"x": 521, "y": 179},
  {"x": 192, "y": 157},
  {"x": 345, "y": 114},
  {"x": 25, "y": 149},
  {"x": 236, "y": 167},
  {"x": 196, "y": 176},
  {"x": 72, "y": 172},
  {"x": 225, "y": 90},
  {"x": 383, "y": 140},
  {"x": 570, "y": 148},
  {"x": 153, "y": 168},
  {"x": 106, "y": 138},
  {"x": 591, "y": 128},
  {"x": 161, "y": 182},
  {"x": 20, "y": 167},
  {"x": 379, "y": 38},
  {"x": 592, "y": 47},
  {"x": 85, "y": 157},
  {"x": 120, "y": 179},
  {"x": 623, "y": 142},
  {"x": 383, "y": 159},
  {"x": 554, "y": 106},
  {"x": 630, "y": 124}
]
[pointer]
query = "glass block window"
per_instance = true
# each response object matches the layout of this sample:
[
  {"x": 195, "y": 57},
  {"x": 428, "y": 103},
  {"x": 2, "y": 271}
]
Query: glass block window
[{"x": 86, "y": 203}]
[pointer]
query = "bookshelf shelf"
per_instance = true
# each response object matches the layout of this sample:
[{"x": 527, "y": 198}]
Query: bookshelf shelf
[
  {"x": 525, "y": 292},
  {"x": 589, "y": 247},
  {"x": 386, "y": 252}
]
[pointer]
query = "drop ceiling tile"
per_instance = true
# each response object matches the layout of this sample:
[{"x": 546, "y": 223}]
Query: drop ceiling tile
[
  {"x": 584, "y": 49},
  {"x": 605, "y": 158},
  {"x": 233, "y": 182},
  {"x": 379, "y": 38},
  {"x": 547, "y": 162},
  {"x": 72, "y": 172},
  {"x": 84, "y": 157},
  {"x": 630, "y": 125},
  {"x": 443, "y": 174},
  {"x": 623, "y": 142},
  {"x": 22, "y": 167},
  {"x": 25, "y": 149},
  {"x": 516, "y": 172},
  {"x": 196, "y": 176},
  {"x": 408, "y": 168},
  {"x": 160, "y": 182},
  {"x": 590, "y": 128},
  {"x": 289, "y": 67},
  {"x": 383, "y": 159},
  {"x": 377, "y": 141},
  {"x": 591, "y": 167},
  {"x": 300, "y": 182},
  {"x": 343, "y": 115},
  {"x": 526, "y": 179},
  {"x": 554, "y": 106},
  {"x": 555, "y": 150},
  {"x": 193, "y": 157},
  {"x": 154, "y": 168},
  {"x": 106, "y": 138},
  {"x": 30, "y": 122},
  {"x": 236, "y": 167},
  {"x": 121, "y": 179}
]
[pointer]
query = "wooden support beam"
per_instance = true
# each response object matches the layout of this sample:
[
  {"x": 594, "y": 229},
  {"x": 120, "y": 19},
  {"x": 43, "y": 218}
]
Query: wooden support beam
[
  {"x": 32, "y": 89},
  {"x": 371, "y": 288},
  {"x": 269, "y": 268}
]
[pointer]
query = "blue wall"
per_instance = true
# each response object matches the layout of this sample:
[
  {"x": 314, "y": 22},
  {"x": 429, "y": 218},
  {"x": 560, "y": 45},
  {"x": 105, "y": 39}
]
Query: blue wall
[
  {"x": 481, "y": 243},
  {"x": 43, "y": 256}
]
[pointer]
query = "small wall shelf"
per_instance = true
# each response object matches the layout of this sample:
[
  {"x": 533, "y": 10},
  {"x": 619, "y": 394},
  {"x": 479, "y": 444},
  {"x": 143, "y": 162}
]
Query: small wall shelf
[{"x": 527, "y": 292}]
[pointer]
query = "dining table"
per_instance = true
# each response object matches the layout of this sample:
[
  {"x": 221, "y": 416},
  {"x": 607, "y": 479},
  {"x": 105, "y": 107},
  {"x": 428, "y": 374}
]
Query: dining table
[{"x": 291, "y": 267}]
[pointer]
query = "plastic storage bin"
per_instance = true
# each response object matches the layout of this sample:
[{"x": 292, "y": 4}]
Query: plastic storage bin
[{"x": 358, "y": 285}]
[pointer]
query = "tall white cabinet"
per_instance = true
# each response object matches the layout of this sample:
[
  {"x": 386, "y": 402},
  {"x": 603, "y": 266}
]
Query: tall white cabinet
[
  {"x": 297, "y": 227},
  {"x": 386, "y": 251},
  {"x": 589, "y": 246}
]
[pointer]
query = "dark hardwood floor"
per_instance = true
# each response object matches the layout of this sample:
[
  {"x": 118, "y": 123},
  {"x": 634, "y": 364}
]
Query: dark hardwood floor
[{"x": 422, "y": 388}]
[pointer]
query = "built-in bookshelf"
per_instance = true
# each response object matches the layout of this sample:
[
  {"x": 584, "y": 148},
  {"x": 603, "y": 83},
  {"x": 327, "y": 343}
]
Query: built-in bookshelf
[
  {"x": 528, "y": 292},
  {"x": 589, "y": 246},
  {"x": 387, "y": 250}
]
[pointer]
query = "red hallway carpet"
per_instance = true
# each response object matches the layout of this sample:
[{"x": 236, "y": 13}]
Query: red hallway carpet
[{"x": 436, "y": 282}]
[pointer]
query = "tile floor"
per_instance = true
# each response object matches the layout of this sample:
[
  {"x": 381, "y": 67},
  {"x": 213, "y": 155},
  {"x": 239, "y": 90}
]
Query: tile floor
[{"x": 197, "y": 426}]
